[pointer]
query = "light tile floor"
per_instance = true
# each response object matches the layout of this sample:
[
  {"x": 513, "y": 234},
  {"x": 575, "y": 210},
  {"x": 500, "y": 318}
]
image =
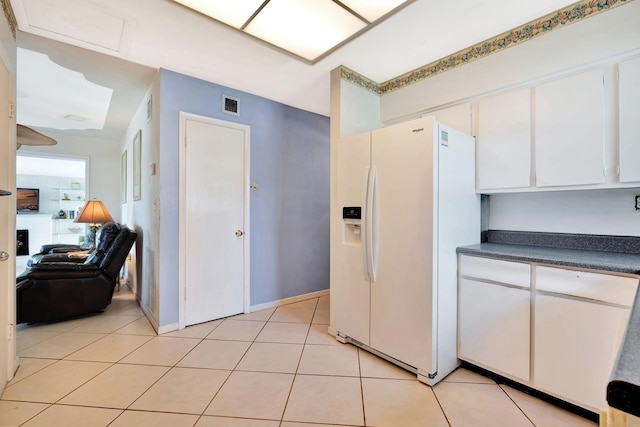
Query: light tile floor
[{"x": 273, "y": 368}]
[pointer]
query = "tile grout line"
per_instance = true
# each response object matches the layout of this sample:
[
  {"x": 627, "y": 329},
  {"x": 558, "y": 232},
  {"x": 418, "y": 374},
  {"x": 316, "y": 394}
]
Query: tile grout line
[
  {"x": 295, "y": 373},
  {"x": 170, "y": 367},
  {"x": 516, "y": 404},
  {"x": 181, "y": 359},
  {"x": 364, "y": 414},
  {"x": 440, "y": 405},
  {"x": 232, "y": 370}
]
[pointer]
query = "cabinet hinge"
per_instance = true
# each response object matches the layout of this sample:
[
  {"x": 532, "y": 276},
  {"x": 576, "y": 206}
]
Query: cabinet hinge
[
  {"x": 604, "y": 171},
  {"x": 12, "y": 110},
  {"x": 618, "y": 170}
]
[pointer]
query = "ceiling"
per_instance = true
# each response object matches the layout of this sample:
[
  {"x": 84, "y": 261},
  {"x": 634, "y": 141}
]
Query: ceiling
[
  {"x": 308, "y": 30},
  {"x": 118, "y": 45}
]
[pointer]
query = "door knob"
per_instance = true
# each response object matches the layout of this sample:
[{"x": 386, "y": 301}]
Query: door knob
[
  {"x": 239, "y": 233},
  {"x": 4, "y": 256}
]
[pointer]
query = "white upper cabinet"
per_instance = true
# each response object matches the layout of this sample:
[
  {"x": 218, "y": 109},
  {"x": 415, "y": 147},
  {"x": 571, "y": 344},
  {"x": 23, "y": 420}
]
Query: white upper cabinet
[
  {"x": 629, "y": 120},
  {"x": 569, "y": 130},
  {"x": 504, "y": 141},
  {"x": 457, "y": 117}
]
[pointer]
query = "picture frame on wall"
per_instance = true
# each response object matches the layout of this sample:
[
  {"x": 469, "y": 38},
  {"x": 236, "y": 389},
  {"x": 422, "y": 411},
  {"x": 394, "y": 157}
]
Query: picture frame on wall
[
  {"x": 123, "y": 177},
  {"x": 137, "y": 166}
]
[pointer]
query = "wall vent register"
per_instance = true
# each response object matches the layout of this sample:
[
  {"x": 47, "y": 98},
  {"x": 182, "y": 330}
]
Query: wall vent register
[{"x": 230, "y": 105}]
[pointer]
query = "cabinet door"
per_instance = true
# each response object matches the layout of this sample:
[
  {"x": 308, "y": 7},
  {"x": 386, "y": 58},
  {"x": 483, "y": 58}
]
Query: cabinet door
[
  {"x": 457, "y": 117},
  {"x": 494, "y": 327},
  {"x": 576, "y": 343},
  {"x": 504, "y": 141},
  {"x": 629, "y": 95},
  {"x": 569, "y": 130}
]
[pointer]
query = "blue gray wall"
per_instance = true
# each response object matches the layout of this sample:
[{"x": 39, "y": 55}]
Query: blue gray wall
[{"x": 289, "y": 212}]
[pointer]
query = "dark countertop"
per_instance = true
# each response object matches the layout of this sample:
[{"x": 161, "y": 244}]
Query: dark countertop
[
  {"x": 617, "y": 262},
  {"x": 618, "y": 254},
  {"x": 623, "y": 391}
]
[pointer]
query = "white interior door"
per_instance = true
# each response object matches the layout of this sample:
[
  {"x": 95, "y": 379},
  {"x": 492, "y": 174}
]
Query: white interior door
[{"x": 215, "y": 219}]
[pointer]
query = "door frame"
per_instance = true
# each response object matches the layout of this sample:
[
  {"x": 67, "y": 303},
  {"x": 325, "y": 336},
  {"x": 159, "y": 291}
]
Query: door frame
[
  {"x": 182, "y": 235},
  {"x": 9, "y": 360}
]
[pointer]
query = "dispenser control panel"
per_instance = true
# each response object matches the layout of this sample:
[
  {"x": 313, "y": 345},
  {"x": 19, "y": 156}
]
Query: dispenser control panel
[{"x": 352, "y": 212}]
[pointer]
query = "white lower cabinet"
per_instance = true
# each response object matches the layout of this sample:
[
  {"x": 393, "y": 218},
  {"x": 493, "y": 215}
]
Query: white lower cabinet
[
  {"x": 494, "y": 315},
  {"x": 580, "y": 319},
  {"x": 576, "y": 344},
  {"x": 557, "y": 330},
  {"x": 494, "y": 327}
]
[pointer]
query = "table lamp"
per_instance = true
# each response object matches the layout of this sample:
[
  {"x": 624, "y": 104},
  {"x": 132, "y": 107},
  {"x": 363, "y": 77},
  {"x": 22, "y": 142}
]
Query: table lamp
[{"x": 95, "y": 214}]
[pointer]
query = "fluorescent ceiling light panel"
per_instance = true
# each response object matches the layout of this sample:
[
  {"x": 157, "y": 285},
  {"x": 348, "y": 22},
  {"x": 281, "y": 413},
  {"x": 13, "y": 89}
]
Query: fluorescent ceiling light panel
[
  {"x": 372, "y": 10},
  {"x": 47, "y": 92},
  {"x": 232, "y": 12},
  {"x": 308, "y": 28}
]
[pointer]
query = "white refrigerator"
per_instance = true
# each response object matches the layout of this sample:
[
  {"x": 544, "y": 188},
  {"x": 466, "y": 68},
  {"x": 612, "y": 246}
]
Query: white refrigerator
[{"x": 406, "y": 199}]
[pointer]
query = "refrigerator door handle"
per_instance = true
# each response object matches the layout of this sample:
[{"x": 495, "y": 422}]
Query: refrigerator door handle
[
  {"x": 370, "y": 218},
  {"x": 365, "y": 231}
]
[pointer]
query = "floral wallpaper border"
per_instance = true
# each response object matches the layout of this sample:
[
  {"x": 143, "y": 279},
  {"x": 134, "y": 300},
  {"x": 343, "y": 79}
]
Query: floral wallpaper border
[
  {"x": 11, "y": 18},
  {"x": 574, "y": 13},
  {"x": 359, "y": 80}
]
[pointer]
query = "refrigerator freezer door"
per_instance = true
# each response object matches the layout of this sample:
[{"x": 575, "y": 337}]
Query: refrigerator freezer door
[
  {"x": 352, "y": 279},
  {"x": 402, "y": 298}
]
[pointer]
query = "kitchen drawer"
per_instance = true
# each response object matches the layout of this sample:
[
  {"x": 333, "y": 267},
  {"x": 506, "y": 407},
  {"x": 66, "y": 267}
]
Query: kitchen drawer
[
  {"x": 601, "y": 287},
  {"x": 513, "y": 273}
]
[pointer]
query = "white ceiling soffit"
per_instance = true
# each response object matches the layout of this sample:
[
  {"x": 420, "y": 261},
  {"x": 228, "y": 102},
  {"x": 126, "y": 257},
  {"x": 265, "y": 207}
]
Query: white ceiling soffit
[
  {"x": 128, "y": 82},
  {"x": 307, "y": 29},
  {"x": 52, "y": 96},
  {"x": 76, "y": 20}
]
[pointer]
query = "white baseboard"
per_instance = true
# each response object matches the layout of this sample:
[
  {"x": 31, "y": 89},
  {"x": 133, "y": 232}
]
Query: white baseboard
[
  {"x": 168, "y": 328},
  {"x": 149, "y": 315},
  {"x": 176, "y": 326},
  {"x": 289, "y": 300}
]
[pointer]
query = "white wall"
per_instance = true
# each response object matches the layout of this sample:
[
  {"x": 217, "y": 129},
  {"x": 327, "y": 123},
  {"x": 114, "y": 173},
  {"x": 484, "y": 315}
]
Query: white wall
[
  {"x": 360, "y": 110},
  {"x": 143, "y": 215},
  {"x": 609, "y": 212},
  {"x": 104, "y": 165}
]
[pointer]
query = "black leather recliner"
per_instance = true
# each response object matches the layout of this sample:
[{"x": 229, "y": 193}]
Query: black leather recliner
[
  {"x": 52, "y": 252},
  {"x": 54, "y": 290}
]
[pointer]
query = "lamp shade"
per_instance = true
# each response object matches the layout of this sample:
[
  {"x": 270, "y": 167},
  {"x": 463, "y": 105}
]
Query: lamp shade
[{"x": 94, "y": 212}]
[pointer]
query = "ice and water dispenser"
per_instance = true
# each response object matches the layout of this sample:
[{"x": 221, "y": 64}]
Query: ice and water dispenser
[{"x": 351, "y": 222}]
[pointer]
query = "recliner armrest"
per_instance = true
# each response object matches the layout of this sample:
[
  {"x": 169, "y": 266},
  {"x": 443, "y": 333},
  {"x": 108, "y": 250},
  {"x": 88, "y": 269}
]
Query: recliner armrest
[
  {"x": 59, "y": 270},
  {"x": 53, "y": 248}
]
